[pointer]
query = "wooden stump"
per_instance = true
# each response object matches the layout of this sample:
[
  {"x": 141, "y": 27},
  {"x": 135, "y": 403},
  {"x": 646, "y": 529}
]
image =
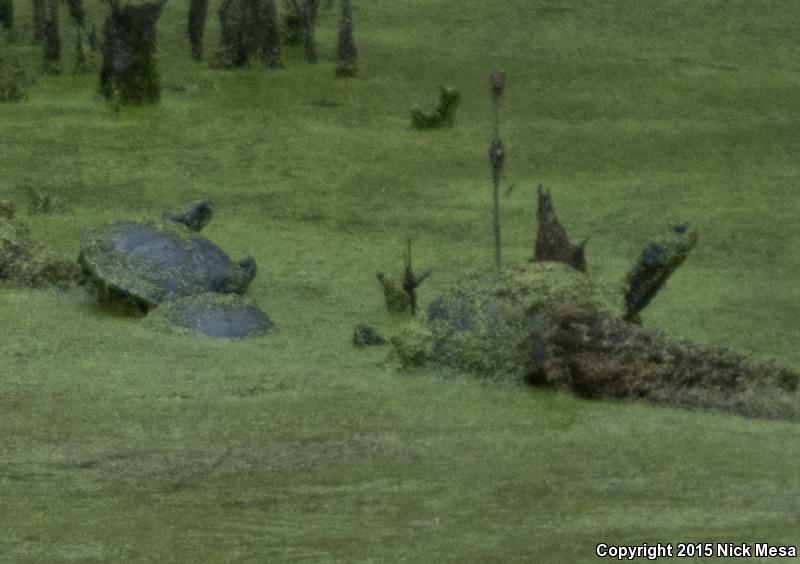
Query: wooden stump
[{"x": 552, "y": 242}]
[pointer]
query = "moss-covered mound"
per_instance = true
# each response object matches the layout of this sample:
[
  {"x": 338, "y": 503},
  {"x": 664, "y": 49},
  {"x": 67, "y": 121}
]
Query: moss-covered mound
[
  {"x": 24, "y": 262},
  {"x": 487, "y": 323}
]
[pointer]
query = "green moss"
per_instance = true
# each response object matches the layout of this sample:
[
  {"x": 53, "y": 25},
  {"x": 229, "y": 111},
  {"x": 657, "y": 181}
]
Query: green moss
[
  {"x": 485, "y": 324},
  {"x": 16, "y": 248},
  {"x": 14, "y": 82},
  {"x": 24, "y": 262},
  {"x": 535, "y": 284},
  {"x": 412, "y": 346}
]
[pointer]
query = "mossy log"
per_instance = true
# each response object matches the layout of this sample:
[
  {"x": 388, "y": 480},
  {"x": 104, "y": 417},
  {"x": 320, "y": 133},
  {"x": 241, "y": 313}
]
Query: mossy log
[{"x": 598, "y": 356}]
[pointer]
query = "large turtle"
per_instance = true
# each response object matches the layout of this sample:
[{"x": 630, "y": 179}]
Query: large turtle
[
  {"x": 550, "y": 323},
  {"x": 147, "y": 263}
]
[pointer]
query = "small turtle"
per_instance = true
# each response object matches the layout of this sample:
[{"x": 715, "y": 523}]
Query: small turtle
[
  {"x": 216, "y": 315},
  {"x": 147, "y": 263}
]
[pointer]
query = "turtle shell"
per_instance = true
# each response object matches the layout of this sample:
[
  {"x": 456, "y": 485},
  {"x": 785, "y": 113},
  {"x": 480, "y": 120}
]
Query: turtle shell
[
  {"x": 151, "y": 262},
  {"x": 216, "y": 315}
]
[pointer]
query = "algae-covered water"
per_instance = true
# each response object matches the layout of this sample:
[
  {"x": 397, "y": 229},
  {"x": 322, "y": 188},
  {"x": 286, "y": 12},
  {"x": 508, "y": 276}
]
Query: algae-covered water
[{"x": 125, "y": 442}]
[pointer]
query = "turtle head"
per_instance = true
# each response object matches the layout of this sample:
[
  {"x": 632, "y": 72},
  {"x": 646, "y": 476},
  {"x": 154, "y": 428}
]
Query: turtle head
[
  {"x": 195, "y": 217},
  {"x": 248, "y": 271}
]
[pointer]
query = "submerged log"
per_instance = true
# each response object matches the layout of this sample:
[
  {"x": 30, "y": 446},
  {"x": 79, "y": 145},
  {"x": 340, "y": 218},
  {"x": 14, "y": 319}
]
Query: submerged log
[{"x": 552, "y": 243}]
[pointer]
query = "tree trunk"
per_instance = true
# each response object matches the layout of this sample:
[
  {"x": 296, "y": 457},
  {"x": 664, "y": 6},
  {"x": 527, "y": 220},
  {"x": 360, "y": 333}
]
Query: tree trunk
[
  {"x": 52, "y": 39},
  {"x": 309, "y": 42},
  {"x": 552, "y": 242},
  {"x": 198, "y": 11},
  {"x": 129, "y": 71},
  {"x": 270, "y": 41},
  {"x": 346, "y": 52},
  {"x": 39, "y": 20},
  {"x": 77, "y": 13},
  {"x": 7, "y": 14}
]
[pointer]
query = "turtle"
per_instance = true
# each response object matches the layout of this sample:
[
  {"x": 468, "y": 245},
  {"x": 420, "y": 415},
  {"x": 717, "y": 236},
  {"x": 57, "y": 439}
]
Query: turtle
[
  {"x": 145, "y": 263},
  {"x": 216, "y": 315},
  {"x": 548, "y": 323},
  {"x": 491, "y": 322}
]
